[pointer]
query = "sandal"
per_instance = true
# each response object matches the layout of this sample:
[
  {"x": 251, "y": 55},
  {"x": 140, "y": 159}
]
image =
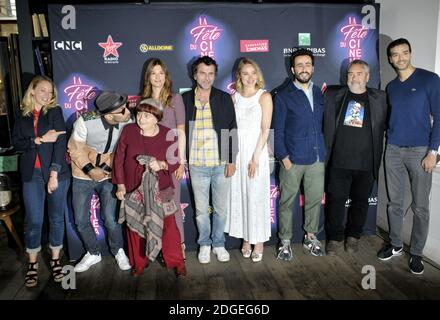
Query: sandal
[
  {"x": 246, "y": 250},
  {"x": 57, "y": 270},
  {"x": 257, "y": 254},
  {"x": 31, "y": 278}
]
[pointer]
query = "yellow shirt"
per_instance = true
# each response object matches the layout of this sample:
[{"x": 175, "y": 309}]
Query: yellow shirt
[{"x": 204, "y": 145}]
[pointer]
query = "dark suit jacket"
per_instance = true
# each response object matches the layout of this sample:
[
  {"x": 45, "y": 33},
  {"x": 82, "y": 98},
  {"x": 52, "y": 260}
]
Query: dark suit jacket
[
  {"x": 223, "y": 118},
  {"x": 334, "y": 100},
  {"x": 52, "y": 155}
]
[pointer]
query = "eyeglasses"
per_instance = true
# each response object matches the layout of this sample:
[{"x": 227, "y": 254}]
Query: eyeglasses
[{"x": 122, "y": 112}]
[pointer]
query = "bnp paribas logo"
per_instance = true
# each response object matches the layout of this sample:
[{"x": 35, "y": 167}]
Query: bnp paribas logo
[{"x": 304, "y": 39}]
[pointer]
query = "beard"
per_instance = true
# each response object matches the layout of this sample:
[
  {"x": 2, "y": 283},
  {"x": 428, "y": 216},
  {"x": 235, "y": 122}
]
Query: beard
[
  {"x": 303, "y": 77},
  {"x": 357, "y": 87}
]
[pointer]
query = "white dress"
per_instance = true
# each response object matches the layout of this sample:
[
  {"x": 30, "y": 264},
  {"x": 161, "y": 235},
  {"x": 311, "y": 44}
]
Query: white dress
[{"x": 248, "y": 214}]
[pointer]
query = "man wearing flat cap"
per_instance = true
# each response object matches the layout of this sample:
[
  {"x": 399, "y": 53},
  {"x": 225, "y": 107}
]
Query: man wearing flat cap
[{"x": 91, "y": 145}]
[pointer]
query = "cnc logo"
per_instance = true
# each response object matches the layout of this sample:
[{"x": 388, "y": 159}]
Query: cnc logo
[
  {"x": 68, "y": 45},
  {"x": 110, "y": 47}
]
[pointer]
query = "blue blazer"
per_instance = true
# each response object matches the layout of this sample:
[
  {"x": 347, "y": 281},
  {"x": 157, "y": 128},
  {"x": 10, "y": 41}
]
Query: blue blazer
[
  {"x": 298, "y": 129},
  {"x": 52, "y": 155}
]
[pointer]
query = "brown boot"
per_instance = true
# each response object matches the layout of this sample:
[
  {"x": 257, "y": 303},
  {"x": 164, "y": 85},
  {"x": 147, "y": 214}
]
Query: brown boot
[
  {"x": 334, "y": 248},
  {"x": 352, "y": 245}
]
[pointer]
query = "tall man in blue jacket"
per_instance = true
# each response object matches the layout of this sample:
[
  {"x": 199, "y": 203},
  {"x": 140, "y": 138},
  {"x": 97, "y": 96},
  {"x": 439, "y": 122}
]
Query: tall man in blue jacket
[
  {"x": 412, "y": 146},
  {"x": 299, "y": 144}
]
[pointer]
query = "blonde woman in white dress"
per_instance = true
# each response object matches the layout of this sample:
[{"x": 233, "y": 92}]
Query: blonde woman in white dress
[{"x": 248, "y": 215}]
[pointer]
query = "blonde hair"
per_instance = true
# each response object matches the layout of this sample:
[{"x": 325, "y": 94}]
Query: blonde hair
[
  {"x": 239, "y": 83},
  {"x": 166, "y": 95},
  {"x": 28, "y": 102}
]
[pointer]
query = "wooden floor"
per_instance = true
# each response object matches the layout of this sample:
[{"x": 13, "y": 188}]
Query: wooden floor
[{"x": 305, "y": 277}]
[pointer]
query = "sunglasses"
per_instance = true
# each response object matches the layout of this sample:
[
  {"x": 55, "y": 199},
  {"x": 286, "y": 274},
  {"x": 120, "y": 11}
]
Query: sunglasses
[{"x": 122, "y": 112}]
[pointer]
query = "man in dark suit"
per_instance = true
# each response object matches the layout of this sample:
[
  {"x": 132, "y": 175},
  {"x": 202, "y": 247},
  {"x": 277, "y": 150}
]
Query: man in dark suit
[{"x": 354, "y": 125}]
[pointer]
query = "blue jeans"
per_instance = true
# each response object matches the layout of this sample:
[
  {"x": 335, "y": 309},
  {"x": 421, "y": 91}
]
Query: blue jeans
[
  {"x": 34, "y": 197},
  {"x": 82, "y": 191},
  {"x": 202, "y": 178}
]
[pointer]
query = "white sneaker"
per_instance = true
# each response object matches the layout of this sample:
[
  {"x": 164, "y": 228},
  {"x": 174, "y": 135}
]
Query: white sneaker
[
  {"x": 205, "y": 254},
  {"x": 221, "y": 253},
  {"x": 122, "y": 260},
  {"x": 87, "y": 261}
]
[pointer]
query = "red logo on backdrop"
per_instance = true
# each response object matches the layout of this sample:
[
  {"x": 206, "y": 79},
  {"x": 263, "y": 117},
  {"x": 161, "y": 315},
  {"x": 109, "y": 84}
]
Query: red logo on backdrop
[
  {"x": 78, "y": 95},
  {"x": 204, "y": 35},
  {"x": 353, "y": 33},
  {"x": 254, "y": 45},
  {"x": 110, "y": 47},
  {"x": 133, "y": 101}
]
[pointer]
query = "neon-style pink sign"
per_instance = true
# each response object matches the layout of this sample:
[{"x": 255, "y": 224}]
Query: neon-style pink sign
[
  {"x": 78, "y": 95},
  {"x": 94, "y": 208},
  {"x": 353, "y": 33},
  {"x": 204, "y": 36},
  {"x": 274, "y": 194}
]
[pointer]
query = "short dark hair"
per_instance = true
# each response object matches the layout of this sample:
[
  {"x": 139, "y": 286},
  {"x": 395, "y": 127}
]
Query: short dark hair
[
  {"x": 301, "y": 52},
  {"x": 205, "y": 60},
  {"x": 145, "y": 107},
  {"x": 396, "y": 43}
]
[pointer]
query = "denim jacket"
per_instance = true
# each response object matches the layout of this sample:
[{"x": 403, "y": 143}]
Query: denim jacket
[{"x": 298, "y": 129}]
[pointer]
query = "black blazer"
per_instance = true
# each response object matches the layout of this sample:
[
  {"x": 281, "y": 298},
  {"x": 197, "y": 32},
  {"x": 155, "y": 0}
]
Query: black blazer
[
  {"x": 334, "y": 99},
  {"x": 223, "y": 118},
  {"x": 52, "y": 155}
]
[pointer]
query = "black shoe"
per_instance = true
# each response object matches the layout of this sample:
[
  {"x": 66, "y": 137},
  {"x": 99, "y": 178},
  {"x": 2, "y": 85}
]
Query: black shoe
[
  {"x": 416, "y": 265},
  {"x": 388, "y": 251}
]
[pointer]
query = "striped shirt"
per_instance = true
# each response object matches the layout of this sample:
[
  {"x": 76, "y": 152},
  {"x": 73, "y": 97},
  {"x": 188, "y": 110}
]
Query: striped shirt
[{"x": 204, "y": 145}]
